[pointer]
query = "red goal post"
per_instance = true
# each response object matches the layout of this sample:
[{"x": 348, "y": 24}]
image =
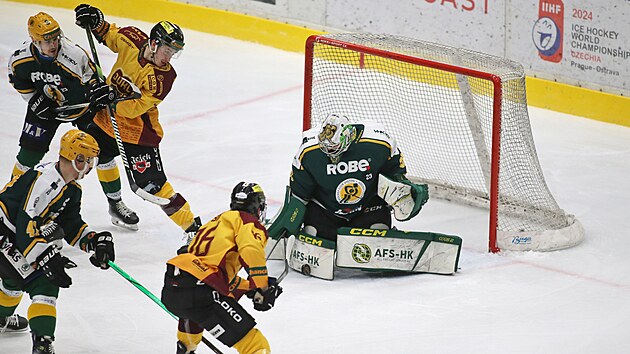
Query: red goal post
[{"x": 460, "y": 118}]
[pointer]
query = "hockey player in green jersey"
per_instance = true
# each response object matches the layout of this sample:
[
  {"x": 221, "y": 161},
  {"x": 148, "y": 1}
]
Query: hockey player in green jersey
[
  {"x": 39, "y": 210},
  {"x": 346, "y": 181},
  {"x": 335, "y": 177},
  {"x": 51, "y": 72}
]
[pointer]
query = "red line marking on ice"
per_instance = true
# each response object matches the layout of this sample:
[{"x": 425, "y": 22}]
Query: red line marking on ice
[{"x": 230, "y": 106}]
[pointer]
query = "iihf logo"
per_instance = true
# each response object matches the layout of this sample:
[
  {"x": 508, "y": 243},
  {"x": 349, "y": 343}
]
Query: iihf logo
[
  {"x": 548, "y": 29},
  {"x": 546, "y": 36}
]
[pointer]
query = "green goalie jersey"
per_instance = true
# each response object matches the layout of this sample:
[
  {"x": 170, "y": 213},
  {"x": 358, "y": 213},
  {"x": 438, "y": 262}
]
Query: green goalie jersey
[
  {"x": 39, "y": 196},
  {"x": 64, "y": 79},
  {"x": 346, "y": 187}
]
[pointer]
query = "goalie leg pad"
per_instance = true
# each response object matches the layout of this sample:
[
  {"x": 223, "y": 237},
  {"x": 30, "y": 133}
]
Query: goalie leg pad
[
  {"x": 314, "y": 256},
  {"x": 422, "y": 252}
]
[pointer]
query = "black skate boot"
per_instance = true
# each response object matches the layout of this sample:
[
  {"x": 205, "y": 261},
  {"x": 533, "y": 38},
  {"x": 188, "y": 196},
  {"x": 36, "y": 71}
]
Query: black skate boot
[
  {"x": 43, "y": 344},
  {"x": 122, "y": 216},
  {"x": 191, "y": 231},
  {"x": 181, "y": 349},
  {"x": 13, "y": 323}
]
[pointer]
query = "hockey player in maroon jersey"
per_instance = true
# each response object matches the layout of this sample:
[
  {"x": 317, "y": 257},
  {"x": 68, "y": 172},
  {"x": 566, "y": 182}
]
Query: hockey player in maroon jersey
[
  {"x": 143, "y": 60},
  {"x": 202, "y": 285}
]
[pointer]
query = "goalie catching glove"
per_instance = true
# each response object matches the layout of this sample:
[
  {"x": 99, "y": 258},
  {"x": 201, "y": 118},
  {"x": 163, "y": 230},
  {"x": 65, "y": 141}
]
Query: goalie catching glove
[
  {"x": 102, "y": 243},
  {"x": 405, "y": 197},
  {"x": 54, "y": 266},
  {"x": 264, "y": 299}
]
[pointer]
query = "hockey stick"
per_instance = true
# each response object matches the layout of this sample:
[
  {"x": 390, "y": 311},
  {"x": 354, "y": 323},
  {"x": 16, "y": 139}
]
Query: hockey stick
[
  {"x": 132, "y": 182},
  {"x": 285, "y": 271},
  {"x": 134, "y": 95},
  {"x": 156, "y": 300}
]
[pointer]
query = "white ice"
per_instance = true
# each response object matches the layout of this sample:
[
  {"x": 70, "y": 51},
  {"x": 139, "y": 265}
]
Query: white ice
[{"x": 235, "y": 114}]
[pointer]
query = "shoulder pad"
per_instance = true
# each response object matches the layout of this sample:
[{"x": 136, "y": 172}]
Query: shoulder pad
[
  {"x": 23, "y": 52},
  {"x": 309, "y": 143},
  {"x": 134, "y": 35},
  {"x": 73, "y": 58},
  {"x": 377, "y": 133}
]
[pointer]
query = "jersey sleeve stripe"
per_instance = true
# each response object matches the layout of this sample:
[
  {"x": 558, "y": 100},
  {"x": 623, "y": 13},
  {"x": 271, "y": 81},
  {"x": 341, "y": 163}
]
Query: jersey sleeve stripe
[
  {"x": 308, "y": 149},
  {"x": 21, "y": 61},
  {"x": 54, "y": 200}
]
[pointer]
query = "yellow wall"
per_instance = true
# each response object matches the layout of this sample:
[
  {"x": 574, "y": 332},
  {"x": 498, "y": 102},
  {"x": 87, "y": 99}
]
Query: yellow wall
[{"x": 540, "y": 93}]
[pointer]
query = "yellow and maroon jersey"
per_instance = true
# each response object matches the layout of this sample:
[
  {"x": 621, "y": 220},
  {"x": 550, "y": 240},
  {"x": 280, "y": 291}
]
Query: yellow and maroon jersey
[
  {"x": 228, "y": 243},
  {"x": 137, "y": 119}
]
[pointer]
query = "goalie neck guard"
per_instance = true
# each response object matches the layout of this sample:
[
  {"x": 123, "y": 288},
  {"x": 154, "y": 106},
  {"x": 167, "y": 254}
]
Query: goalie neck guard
[{"x": 249, "y": 197}]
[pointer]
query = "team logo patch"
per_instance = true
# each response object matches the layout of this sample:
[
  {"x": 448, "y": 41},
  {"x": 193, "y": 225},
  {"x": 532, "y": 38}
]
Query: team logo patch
[
  {"x": 141, "y": 163},
  {"x": 361, "y": 253},
  {"x": 350, "y": 191}
]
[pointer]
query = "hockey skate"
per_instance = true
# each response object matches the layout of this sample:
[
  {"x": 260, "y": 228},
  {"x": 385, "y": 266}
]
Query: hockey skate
[
  {"x": 181, "y": 349},
  {"x": 123, "y": 216},
  {"x": 13, "y": 323},
  {"x": 43, "y": 344}
]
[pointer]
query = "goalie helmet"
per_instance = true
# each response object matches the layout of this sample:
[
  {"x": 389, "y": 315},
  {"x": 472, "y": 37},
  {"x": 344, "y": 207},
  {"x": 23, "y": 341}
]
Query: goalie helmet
[
  {"x": 168, "y": 33},
  {"x": 249, "y": 197},
  {"x": 336, "y": 135},
  {"x": 42, "y": 27},
  {"x": 79, "y": 146}
]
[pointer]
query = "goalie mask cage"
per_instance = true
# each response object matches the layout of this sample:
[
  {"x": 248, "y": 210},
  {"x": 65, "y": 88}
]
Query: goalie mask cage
[{"x": 460, "y": 119}]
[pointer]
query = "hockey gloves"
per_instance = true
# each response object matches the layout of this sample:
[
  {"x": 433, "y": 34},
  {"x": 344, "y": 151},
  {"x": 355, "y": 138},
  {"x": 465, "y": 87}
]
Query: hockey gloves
[
  {"x": 42, "y": 106},
  {"x": 265, "y": 299},
  {"x": 101, "y": 95},
  {"x": 102, "y": 243},
  {"x": 51, "y": 232},
  {"x": 88, "y": 16},
  {"x": 54, "y": 266}
]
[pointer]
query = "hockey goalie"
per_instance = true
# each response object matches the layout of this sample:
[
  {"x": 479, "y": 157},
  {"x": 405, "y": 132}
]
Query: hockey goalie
[{"x": 347, "y": 180}]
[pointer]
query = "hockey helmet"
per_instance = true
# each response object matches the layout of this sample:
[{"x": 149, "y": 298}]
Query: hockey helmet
[
  {"x": 249, "y": 197},
  {"x": 168, "y": 33},
  {"x": 79, "y": 146},
  {"x": 336, "y": 135},
  {"x": 42, "y": 27}
]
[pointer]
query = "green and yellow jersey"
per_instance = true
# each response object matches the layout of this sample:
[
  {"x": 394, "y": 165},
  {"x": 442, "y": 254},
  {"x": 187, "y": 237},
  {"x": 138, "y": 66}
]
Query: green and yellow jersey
[
  {"x": 40, "y": 196},
  {"x": 345, "y": 187},
  {"x": 221, "y": 248},
  {"x": 65, "y": 79}
]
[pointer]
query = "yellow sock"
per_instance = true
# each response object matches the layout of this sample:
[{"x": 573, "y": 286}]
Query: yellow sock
[
  {"x": 178, "y": 209},
  {"x": 253, "y": 343}
]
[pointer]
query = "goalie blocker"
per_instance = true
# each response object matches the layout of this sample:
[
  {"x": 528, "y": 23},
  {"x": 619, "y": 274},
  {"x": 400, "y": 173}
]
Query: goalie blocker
[{"x": 379, "y": 250}]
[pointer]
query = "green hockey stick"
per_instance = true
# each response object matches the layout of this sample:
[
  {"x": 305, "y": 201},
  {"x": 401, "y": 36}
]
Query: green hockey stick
[{"x": 156, "y": 300}]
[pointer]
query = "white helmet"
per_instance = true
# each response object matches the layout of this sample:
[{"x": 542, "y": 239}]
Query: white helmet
[{"x": 336, "y": 135}]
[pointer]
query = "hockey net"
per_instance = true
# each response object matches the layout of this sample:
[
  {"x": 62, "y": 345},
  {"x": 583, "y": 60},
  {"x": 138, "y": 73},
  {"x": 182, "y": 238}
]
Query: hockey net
[{"x": 460, "y": 118}]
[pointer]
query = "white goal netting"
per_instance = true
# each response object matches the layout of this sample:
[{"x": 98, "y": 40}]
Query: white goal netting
[{"x": 444, "y": 106}]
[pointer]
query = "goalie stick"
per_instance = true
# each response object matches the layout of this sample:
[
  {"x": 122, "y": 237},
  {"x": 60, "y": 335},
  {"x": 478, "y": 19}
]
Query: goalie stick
[
  {"x": 132, "y": 182},
  {"x": 156, "y": 300},
  {"x": 285, "y": 271}
]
